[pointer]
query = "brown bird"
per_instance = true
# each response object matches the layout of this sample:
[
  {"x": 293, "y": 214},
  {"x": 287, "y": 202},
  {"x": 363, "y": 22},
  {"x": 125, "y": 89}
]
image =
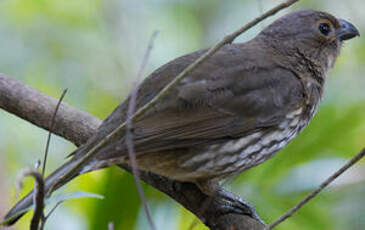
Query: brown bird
[{"x": 235, "y": 111}]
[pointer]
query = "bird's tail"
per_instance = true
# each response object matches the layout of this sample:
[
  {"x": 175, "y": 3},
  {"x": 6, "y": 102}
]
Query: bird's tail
[{"x": 52, "y": 181}]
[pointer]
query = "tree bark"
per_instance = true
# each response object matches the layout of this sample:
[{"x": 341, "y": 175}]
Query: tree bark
[
  {"x": 77, "y": 126},
  {"x": 36, "y": 107}
]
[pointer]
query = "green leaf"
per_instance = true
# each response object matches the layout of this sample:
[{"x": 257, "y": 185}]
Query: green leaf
[{"x": 54, "y": 200}]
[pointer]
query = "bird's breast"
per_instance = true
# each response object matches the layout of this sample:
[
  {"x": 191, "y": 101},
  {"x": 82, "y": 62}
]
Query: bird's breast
[{"x": 234, "y": 156}]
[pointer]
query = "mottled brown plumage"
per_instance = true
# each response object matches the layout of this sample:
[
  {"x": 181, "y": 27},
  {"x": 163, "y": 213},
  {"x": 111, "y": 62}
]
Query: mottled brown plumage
[{"x": 239, "y": 108}]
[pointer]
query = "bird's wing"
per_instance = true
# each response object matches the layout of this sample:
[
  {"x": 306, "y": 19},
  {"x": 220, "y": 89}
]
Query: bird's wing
[
  {"x": 210, "y": 112},
  {"x": 229, "y": 96}
]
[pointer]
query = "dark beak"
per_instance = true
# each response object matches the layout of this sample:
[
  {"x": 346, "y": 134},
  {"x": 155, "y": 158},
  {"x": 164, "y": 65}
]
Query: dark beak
[{"x": 347, "y": 30}]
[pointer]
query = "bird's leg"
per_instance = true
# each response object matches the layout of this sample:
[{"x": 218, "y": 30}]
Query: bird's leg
[{"x": 230, "y": 203}]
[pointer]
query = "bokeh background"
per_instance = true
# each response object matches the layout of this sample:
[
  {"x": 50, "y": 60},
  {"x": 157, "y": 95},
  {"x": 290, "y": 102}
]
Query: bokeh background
[{"x": 94, "y": 48}]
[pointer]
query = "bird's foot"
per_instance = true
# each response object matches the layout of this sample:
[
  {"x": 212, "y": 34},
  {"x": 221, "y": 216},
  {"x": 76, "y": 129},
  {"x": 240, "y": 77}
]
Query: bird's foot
[
  {"x": 232, "y": 203},
  {"x": 228, "y": 202}
]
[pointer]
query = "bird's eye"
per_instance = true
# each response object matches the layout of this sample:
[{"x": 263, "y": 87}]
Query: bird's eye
[{"x": 324, "y": 28}]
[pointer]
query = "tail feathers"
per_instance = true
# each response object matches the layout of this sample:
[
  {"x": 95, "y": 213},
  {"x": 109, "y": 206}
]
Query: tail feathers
[{"x": 50, "y": 181}]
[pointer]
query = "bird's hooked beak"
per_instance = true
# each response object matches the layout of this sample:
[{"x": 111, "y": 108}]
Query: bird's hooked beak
[{"x": 347, "y": 30}]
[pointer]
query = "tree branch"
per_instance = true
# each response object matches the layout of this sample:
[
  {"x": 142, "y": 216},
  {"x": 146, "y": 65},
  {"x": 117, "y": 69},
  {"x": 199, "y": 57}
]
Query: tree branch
[
  {"x": 38, "y": 197},
  {"x": 36, "y": 107},
  {"x": 77, "y": 126}
]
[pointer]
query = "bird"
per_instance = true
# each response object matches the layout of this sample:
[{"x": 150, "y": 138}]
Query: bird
[{"x": 234, "y": 112}]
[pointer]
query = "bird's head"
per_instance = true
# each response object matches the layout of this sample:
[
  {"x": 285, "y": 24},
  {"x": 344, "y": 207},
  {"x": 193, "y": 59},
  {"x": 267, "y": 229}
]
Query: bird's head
[{"x": 315, "y": 35}]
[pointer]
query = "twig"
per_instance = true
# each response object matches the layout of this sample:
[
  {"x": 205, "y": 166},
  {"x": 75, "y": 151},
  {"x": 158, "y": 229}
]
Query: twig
[
  {"x": 44, "y": 220},
  {"x": 51, "y": 127},
  {"x": 38, "y": 197},
  {"x": 228, "y": 39},
  {"x": 129, "y": 131},
  {"x": 318, "y": 190}
]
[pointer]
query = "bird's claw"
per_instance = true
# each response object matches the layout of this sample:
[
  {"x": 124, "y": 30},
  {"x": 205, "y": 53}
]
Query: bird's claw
[{"x": 235, "y": 204}]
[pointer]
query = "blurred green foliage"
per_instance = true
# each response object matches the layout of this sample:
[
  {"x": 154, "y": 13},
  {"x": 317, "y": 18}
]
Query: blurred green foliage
[{"x": 94, "y": 48}]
